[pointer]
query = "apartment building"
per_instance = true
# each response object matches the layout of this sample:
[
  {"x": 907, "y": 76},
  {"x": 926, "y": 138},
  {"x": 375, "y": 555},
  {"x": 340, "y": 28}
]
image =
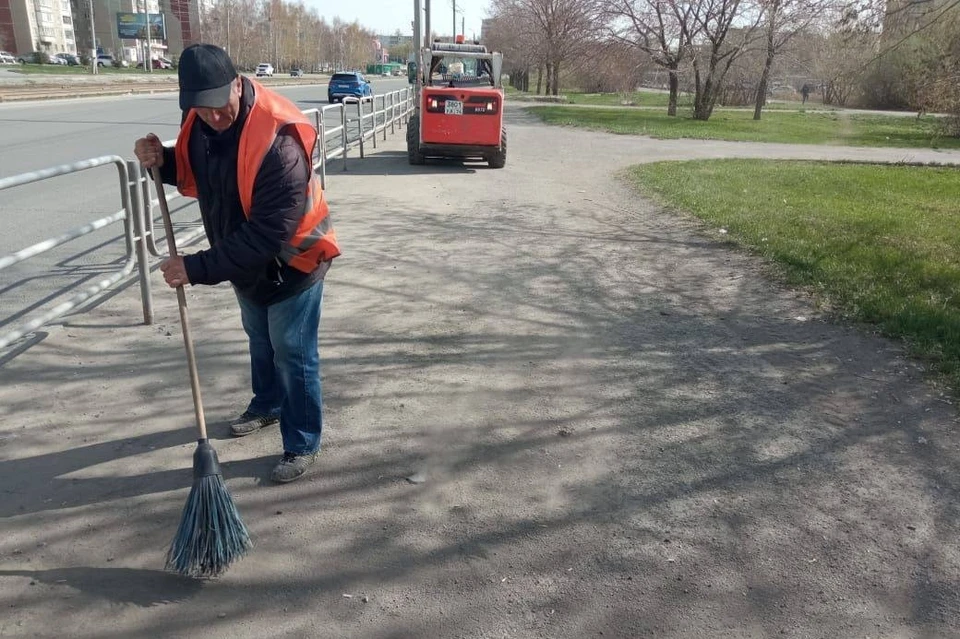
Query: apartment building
[
  {"x": 395, "y": 40},
  {"x": 181, "y": 18},
  {"x": 105, "y": 27},
  {"x": 37, "y": 25},
  {"x": 63, "y": 26},
  {"x": 904, "y": 17},
  {"x": 486, "y": 28}
]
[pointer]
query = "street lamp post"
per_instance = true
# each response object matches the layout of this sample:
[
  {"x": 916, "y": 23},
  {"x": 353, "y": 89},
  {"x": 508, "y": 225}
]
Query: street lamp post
[
  {"x": 147, "y": 61},
  {"x": 93, "y": 42},
  {"x": 417, "y": 44},
  {"x": 226, "y": 5},
  {"x": 427, "y": 34}
]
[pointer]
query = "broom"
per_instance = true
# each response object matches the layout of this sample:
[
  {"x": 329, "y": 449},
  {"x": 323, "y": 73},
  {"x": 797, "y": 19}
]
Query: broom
[{"x": 211, "y": 535}]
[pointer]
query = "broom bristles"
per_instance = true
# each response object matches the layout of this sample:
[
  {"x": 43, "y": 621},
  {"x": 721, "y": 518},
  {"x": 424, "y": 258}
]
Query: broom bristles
[{"x": 211, "y": 534}]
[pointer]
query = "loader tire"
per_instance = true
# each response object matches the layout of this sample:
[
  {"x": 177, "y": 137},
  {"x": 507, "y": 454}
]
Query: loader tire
[
  {"x": 414, "y": 155},
  {"x": 498, "y": 159}
]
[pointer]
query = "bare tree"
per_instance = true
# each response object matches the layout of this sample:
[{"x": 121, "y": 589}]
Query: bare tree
[
  {"x": 359, "y": 45},
  {"x": 244, "y": 32},
  {"x": 843, "y": 56},
  {"x": 615, "y": 66},
  {"x": 661, "y": 30},
  {"x": 784, "y": 19},
  {"x": 512, "y": 34},
  {"x": 716, "y": 45},
  {"x": 894, "y": 22},
  {"x": 711, "y": 34},
  {"x": 561, "y": 29},
  {"x": 286, "y": 34},
  {"x": 922, "y": 72},
  {"x": 895, "y": 18}
]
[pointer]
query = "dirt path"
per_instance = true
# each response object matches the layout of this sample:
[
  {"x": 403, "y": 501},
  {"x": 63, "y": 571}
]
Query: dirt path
[{"x": 627, "y": 432}]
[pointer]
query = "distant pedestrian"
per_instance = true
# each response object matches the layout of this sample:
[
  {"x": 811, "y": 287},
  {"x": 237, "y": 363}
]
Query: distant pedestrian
[{"x": 805, "y": 92}]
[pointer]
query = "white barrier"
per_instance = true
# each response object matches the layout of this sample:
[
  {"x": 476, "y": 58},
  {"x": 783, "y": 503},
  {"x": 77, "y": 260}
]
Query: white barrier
[{"x": 333, "y": 124}]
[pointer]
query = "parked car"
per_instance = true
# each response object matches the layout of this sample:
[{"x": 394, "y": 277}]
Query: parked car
[
  {"x": 264, "y": 69},
  {"x": 7, "y": 58},
  {"x": 296, "y": 73},
  {"x": 107, "y": 60},
  {"x": 69, "y": 59},
  {"x": 347, "y": 84},
  {"x": 39, "y": 57},
  {"x": 158, "y": 63}
]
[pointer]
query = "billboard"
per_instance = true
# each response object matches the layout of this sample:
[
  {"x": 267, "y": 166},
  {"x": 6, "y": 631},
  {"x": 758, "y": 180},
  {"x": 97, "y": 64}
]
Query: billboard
[{"x": 133, "y": 26}]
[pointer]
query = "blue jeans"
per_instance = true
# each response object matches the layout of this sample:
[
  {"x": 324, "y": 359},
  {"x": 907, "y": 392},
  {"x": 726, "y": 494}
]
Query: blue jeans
[{"x": 285, "y": 365}]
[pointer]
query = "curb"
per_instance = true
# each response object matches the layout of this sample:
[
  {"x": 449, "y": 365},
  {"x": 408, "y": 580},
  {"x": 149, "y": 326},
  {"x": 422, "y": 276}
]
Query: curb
[
  {"x": 40, "y": 94},
  {"x": 60, "y": 92}
]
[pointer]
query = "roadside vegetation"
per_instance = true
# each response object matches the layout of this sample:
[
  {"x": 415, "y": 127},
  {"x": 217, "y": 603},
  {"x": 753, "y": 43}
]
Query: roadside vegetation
[
  {"x": 710, "y": 55},
  {"x": 800, "y": 127},
  {"x": 631, "y": 98},
  {"x": 875, "y": 243},
  {"x": 660, "y": 99},
  {"x": 59, "y": 69}
]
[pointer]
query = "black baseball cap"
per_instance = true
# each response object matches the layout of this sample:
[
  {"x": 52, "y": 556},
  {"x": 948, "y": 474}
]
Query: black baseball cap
[{"x": 206, "y": 74}]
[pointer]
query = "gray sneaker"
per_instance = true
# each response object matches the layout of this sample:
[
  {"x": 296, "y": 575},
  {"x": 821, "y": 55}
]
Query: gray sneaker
[
  {"x": 250, "y": 423},
  {"x": 292, "y": 467}
]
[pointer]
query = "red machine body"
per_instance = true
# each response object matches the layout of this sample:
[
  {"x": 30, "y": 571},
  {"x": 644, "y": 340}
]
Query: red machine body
[{"x": 460, "y": 106}]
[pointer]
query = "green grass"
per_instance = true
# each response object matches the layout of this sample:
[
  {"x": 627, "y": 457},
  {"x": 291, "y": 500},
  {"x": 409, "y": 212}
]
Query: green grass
[
  {"x": 876, "y": 244},
  {"x": 59, "y": 69},
  {"x": 786, "y": 127},
  {"x": 638, "y": 98},
  {"x": 653, "y": 99}
]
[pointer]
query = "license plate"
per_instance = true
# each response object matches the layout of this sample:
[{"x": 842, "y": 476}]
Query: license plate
[{"x": 453, "y": 107}]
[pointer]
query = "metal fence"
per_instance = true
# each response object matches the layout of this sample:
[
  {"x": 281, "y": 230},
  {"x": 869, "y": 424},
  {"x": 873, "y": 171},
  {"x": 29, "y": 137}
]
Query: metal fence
[{"x": 340, "y": 129}]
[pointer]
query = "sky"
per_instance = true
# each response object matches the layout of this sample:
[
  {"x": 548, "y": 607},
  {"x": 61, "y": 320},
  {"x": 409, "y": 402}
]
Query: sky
[{"x": 386, "y": 16}]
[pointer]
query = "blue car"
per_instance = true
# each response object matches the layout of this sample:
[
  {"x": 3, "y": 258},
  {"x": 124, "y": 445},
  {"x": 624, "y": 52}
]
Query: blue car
[{"x": 343, "y": 85}]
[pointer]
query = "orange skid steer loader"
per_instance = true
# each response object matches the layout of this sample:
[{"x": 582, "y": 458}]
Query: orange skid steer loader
[{"x": 459, "y": 112}]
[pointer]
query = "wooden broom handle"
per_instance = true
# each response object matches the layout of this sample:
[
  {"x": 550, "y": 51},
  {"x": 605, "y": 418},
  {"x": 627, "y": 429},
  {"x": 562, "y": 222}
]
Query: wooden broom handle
[{"x": 182, "y": 302}]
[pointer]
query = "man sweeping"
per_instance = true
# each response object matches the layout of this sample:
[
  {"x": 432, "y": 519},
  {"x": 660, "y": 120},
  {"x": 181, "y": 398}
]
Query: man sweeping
[{"x": 245, "y": 152}]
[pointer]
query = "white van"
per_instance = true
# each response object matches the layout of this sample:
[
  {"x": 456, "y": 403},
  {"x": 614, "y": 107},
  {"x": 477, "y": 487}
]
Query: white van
[{"x": 264, "y": 69}]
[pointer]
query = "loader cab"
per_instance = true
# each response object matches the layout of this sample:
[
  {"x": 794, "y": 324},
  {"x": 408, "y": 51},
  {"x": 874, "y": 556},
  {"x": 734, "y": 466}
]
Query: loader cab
[
  {"x": 466, "y": 65},
  {"x": 452, "y": 72}
]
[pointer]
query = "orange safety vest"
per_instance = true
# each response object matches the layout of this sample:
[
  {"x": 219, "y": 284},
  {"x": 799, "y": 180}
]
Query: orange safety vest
[{"x": 314, "y": 240}]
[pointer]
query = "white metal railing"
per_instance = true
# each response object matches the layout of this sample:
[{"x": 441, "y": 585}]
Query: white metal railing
[
  {"x": 335, "y": 139},
  {"x": 132, "y": 228},
  {"x": 338, "y": 132}
]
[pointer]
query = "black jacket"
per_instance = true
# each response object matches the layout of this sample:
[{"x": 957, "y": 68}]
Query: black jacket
[{"x": 244, "y": 252}]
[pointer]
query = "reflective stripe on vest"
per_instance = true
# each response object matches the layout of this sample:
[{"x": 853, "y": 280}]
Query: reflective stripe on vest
[{"x": 314, "y": 240}]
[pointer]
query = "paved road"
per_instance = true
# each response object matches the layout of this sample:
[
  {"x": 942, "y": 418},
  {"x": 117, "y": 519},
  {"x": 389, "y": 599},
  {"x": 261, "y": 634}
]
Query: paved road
[
  {"x": 40, "y": 134},
  {"x": 48, "y": 133},
  {"x": 628, "y": 432}
]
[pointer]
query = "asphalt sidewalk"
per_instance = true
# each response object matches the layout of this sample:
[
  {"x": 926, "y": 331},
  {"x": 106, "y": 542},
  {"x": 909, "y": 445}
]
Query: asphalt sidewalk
[{"x": 626, "y": 430}]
